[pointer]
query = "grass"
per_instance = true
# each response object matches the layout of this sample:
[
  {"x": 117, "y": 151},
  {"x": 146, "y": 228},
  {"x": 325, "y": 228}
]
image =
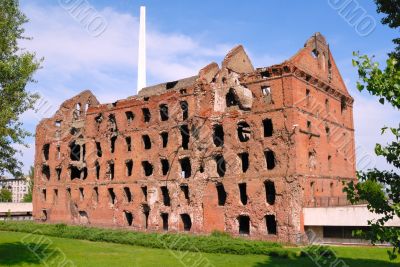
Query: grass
[{"x": 20, "y": 249}]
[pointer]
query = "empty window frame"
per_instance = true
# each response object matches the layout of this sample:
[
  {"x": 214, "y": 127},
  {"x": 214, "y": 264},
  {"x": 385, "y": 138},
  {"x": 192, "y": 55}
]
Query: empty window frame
[
  {"x": 164, "y": 166},
  {"x": 220, "y": 164},
  {"x": 81, "y": 194},
  {"x": 129, "y": 167},
  {"x": 96, "y": 194},
  {"x": 128, "y": 141},
  {"x": 165, "y": 195},
  {"x": 266, "y": 90},
  {"x": 164, "y": 116},
  {"x": 221, "y": 194},
  {"x": 127, "y": 194},
  {"x": 218, "y": 135},
  {"x": 243, "y": 193},
  {"x": 186, "y": 221},
  {"x": 58, "y": 173},
  {"x": 243, "y": 130},
  {"x": 128, "y": 218},
  {"x": 185, "y": 136},
  {"x": 270, "y": 159},
  {"x": 129, "y": 116},
  {"x": 268, "y": 127},
  {"x": 164, "y": 138},
  {"x": 244, "y": 224},
  {"x": 46, "y": 171},
  {"x": 75, "y": 151},
  {"x": 164, "y": 218},
  {"x": 112, "y": 143},
  {"x": 244, "y": 158},
  {"x": 99, "y": 151},
  {"x": 111, "y": 195},
  {"x": 147, "y": 168},
  {"x": 231, "y": 98},
  {"x": 111, "y": 170},
  {"x": 186, "y": 168},
  {"x": 270, "y": 192},
  {"x": 97, "y": 167},
  {"x": 185, "y": 190},
  {"x": 146, "y": 213},
  {"x": 146, "y": 141},
  {"x": 185, "y": 110},
  {"x": 144, "y": 191},
  {"x": 271, "y": 224},
  {"x": 343, "y": 104},
  {"x": 46, "y": 150},
  {"x": 146, "y": 115}
]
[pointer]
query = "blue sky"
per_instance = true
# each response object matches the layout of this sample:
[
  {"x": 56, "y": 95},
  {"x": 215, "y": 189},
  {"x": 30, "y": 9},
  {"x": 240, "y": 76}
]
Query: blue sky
[{"x": 184, "y": 36}]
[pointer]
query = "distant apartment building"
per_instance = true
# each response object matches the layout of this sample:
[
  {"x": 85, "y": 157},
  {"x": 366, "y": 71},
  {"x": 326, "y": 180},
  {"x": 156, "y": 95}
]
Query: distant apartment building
[{"x": 18, "y": 187}]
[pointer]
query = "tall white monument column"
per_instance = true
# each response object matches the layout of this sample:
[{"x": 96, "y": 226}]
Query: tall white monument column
[{"x": 141, "y": 79}]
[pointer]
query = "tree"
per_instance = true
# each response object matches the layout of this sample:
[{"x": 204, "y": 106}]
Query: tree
[
  {"x": 381, "y": 188},
  {"x": 17, "y": 67},
  {"x": 5, "y": 195},
  {"x": 28, "y": 196}
]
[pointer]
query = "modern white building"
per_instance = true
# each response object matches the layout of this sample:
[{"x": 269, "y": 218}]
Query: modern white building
[{"x": 18, "y": 187}]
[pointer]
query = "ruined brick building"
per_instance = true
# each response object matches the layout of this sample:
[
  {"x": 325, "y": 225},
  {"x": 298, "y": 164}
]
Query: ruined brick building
[{"x": 234, "y": 149}]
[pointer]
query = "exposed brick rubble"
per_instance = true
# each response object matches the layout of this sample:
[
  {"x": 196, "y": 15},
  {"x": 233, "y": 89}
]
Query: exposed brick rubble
[{"x": 234, "y": 149}]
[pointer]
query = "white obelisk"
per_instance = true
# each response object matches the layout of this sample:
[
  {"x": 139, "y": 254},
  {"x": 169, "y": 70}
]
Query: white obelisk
[{"x": 141, "y": 79}]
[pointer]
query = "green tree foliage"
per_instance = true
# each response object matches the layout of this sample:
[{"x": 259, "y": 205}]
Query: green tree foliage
[
  {"x": 5, "y": 195},
  {"x": 17, "y": 67},
  {"x": 28, "y": 195},
  {"x": 381, "y": 188}
]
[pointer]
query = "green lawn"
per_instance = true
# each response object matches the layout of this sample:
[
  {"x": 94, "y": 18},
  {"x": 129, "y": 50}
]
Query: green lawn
[{"x": 21, "y": 249}]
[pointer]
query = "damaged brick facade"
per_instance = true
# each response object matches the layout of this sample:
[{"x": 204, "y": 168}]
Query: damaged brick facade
[{"x": 234, "y": 149}]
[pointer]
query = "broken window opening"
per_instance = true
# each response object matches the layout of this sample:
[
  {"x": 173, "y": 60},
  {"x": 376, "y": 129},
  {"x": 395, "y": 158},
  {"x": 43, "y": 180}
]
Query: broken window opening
[
  {"x": 111, "y": 195},
  {"x": 46, "y": 171},
  {"x": 270, "y": 192},
  {"x": 44, "y": 216},
  {"x": 164, "y": 217},
  {"x": 75, "y": 153},
  {"x": 218, "y": 135},
  {"x": 129, "y": 116},
  {"x": 146, "y": 141},
  {"x": 58, "y": 152},
  {"x": 183, "y": 91},
  {"x": 128, "y": 141},
  {"x": 144, "y": 191},
  {"x": 129, "y": 167},
  {"x": 165, "y": 166},
  {"x": 187, "y": 222},
  {"x": 231, "y": 98},
  {"x": 99, "y": 151},
  {"x": 73, "y": 131},
  {"x": 69, "y": 193},
  {"x": 147, "y": 168},
  {"x": 221, "y": 194},
  {"x": 185, "y": 136},
  {"x": 96, "y": 194},
  {"x": 271, "y": 224},
  {"x": 110, "y": 170},
  {"x": 46, "y": 149},
  {"x": 146, "y": 213},
  {"x": 244, "y": 157},
  {"x": 58, "y": 173},
  {"x": 112, "y": 122},
  {"x": 185, "y": 110},
  {"x": 244, "y": 224},
  {"x": 128, "y": 194},
  {"x": 44, "y": 194},
  {"x": 343, "y": 104},
  {"x": 329, "y": 162},
  {"x": 58, "y": 124},
  {"x": 268, "y": 127},
  {"x": 170, "y": 85},
  {"x": 81, "y": 194},
  {"x": 112, "y": 141},
  {"x": 327, "y": 105},
  {"x": 308, "y": 97},
  {"x": 185, "y": 190},
  {"x": 265, "y": 74},
  {"x": 97, "y": 166},
  {"x": 128, "y": 217},
  {"x": 99, "y": 118},
  {"x": 165, "y": 194},
  {"x": 221, "y": 165},
  {"x": 186, "y": 168},
  {"x": 146, "y": 115},
  {"x": 314, "y": 53},
  {"x": 266, "y": 90},
  {"x": 270, "y": 159},
  {"x": 243, "y": 193},
  {"x": 243, "y": 129},
  {"x": 201, "y": 167},
  {"x": 164, "y": 137},
  {"x": 83, "y": 152},
  {"x": 309, "y": 126},
  {"x": 164, "y": 112}
]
